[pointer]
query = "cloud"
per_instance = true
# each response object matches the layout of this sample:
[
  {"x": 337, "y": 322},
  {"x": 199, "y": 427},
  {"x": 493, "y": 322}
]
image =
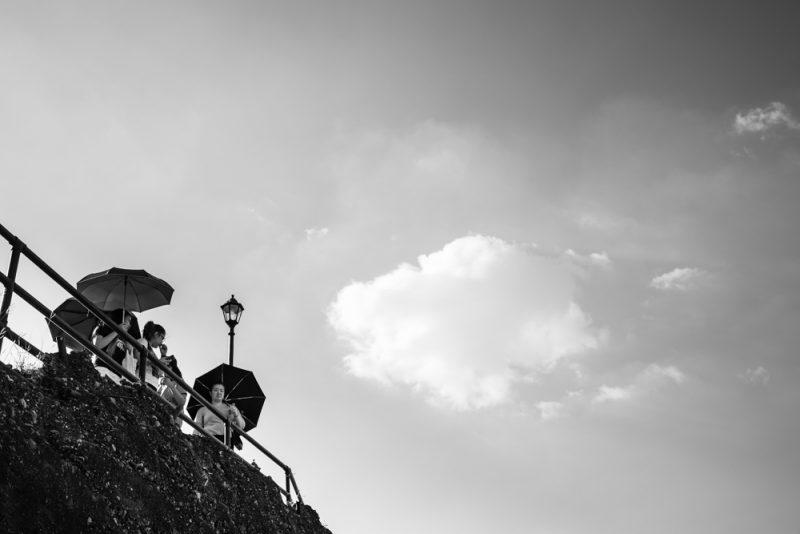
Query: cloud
[
  {"x": 758, "y": 376},
  {"x": 681, "y": 279},
  {"x": 609, "y": 393},
  {"x": 652, "y": 377},
  {"x": 594, "y": 259},
  {"x": 466, "y": 323},
  {"x": 550, "y": 410},
  {"x": 670, "y": 372},
  {"x": 313, "y": 234},
  {"x": 759, "y": 120}
]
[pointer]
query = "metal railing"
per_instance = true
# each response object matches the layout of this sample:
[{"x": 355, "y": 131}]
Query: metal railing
[{"x": 13, "y": 288}]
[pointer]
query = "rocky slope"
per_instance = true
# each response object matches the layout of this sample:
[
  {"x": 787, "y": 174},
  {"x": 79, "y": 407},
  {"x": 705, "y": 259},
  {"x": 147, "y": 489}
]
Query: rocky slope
[{"x": 81, "y": 454}]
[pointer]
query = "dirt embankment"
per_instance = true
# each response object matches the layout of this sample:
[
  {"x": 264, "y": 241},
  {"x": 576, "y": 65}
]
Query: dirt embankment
[{"x": 81, "y": 454}]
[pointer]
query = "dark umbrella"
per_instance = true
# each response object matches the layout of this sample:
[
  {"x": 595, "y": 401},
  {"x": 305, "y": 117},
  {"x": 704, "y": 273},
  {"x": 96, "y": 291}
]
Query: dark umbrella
[
  {"x": 75, "y": 314},
  {"x": 78, "y": 317},
  {"x": 129, "y": 289},
  {"x": 241, "y": 388}
]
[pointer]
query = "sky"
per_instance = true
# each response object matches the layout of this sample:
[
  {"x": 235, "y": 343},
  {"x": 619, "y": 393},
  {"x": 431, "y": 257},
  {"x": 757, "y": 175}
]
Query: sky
[{"x": 519, "y": 267}]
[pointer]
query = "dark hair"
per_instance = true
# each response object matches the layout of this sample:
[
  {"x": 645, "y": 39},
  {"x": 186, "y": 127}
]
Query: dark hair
[
  {"x": 150, "y": 329},
  {"x": 117, "y": 317}
]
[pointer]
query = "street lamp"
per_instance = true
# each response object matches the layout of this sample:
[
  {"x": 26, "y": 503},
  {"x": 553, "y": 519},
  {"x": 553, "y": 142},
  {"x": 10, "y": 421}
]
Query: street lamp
[{"x": 232, "y": 312}]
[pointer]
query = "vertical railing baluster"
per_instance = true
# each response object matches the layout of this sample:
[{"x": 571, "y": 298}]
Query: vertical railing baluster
[
  {"x": 16, "y": 248},
  {"x": 288, "y": 487}
]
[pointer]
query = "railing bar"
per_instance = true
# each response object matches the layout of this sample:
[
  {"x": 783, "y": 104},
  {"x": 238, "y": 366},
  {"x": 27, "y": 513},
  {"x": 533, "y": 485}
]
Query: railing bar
[
  {"x": 258, "y": 446},
  {"x": 24, "y": 344},
  {"x": 41, "y": 264}
]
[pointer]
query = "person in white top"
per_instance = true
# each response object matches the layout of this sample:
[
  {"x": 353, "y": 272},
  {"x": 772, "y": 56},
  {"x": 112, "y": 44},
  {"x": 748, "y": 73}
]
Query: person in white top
[
  {"x": 107, "y": 339},
  {"x": 210, "y": 422},
  {"x": 153, "y": 336}
]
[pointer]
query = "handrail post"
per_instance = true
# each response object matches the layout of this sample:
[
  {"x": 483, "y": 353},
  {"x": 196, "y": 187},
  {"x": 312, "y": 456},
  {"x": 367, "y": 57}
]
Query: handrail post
[
  {"x": 294, "y": 485},
  {"x": 142, "y": 368},
  {"x": 62, "y": 347},
  {"x": 288, "y": 486},
  {"x": 16, "y": 249}
]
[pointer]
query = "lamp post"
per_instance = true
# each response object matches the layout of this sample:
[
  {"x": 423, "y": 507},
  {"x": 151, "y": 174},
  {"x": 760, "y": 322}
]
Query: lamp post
[{"x": 232, "y": 312}]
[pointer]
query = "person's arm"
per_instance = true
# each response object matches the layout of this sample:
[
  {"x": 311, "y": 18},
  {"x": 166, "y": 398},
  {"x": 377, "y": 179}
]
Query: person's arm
[
  {"x": 178, "y": 396},
  {"x": 199, "y": 419},
  {"x": 102, "y": 342},
  {"x": 235, "y": 416}
]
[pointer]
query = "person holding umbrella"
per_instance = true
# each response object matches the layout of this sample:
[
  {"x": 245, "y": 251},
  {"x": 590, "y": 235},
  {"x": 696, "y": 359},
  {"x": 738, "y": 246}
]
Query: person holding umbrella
[
  {"x": 131, "y": 290},
  {"x": 153, "y": 336},
  {"x": 211, "y": 423},
  {"x": 107, "y": 339},
  {"x": 235, "y": 385}
]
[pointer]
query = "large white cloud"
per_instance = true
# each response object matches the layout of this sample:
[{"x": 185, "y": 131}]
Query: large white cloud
[{"x": 465, "y": 323}]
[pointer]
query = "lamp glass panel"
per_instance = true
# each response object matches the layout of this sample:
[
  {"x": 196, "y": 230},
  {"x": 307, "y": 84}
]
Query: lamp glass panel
[{"x": 232, "y": 311}]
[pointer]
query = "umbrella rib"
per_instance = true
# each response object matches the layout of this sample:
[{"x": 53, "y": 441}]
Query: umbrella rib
[
  {"x": 138, "y": 299},
  {"x": 236, "y": 385}
]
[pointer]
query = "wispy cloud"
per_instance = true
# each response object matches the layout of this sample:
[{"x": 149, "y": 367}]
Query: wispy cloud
[
  {"x": 681, "y": 279},
  {"x": 316, "y": 233},
  {"x": 669, "y": 372},
  {"x": 759, "y": 120},
  {"x": 758, "y": 376},
  {"x": 596, "y": 259},
  {"x": 550, "y": 410},
  {"x": 651, "y": 378},
  {"x": 466, "y": 323},
  {"x": 612, "y": 393}
]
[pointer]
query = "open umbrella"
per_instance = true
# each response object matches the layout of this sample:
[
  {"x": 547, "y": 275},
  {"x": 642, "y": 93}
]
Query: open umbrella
[
  {"x": 241, "y": 388},
  {"x": 129, "y": 289},
  {"x": 75, "y": 314},
  {"x": 78, "y": 317}
]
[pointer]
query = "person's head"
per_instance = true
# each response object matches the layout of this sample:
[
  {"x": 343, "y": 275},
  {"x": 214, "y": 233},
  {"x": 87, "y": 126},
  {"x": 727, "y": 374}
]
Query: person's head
[
  {"x": 217, "y": 393},
  {"x": 154, "y": 333}
]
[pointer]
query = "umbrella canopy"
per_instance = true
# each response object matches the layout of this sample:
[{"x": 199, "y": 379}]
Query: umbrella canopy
[
  {"x": 129, "y": 289},
  {"x": 78, "y": 317},
  {"x": 241, "y": 388}
]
